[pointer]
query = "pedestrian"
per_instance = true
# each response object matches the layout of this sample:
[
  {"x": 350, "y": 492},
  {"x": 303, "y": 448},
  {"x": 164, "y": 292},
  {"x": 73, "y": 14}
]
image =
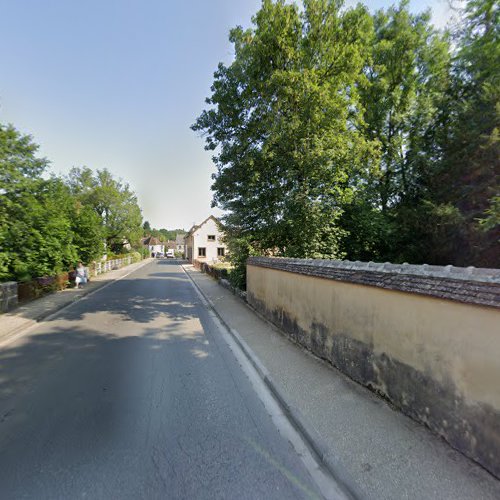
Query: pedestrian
[{"x": 81, "y": 275}]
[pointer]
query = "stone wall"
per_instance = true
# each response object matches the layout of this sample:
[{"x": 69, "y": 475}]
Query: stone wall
[
  {"x": 8, "y": 296},
  {"x": 427, "y": 338}
]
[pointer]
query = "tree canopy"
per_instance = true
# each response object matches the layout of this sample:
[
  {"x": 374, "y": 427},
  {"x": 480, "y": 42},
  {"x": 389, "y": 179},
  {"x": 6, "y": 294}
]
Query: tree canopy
[
  {"x": 289, "y": 149},
  {"x": 48, "y": 223},
  {"x": 113, "y": 202},
  {"x": 338, "y": 133}
]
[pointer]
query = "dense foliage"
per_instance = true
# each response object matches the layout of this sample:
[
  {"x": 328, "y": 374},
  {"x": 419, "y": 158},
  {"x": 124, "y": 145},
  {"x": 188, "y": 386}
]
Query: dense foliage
[
  {"x": 338, "y": 133},
  {"x": 112, "y": 201},
  {"x": 161, "y": 234},
  {"x": 49, "y": 223}
]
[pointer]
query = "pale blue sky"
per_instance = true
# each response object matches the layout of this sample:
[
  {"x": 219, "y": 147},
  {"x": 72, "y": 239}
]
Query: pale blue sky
[{"x": 117, "y": 83}]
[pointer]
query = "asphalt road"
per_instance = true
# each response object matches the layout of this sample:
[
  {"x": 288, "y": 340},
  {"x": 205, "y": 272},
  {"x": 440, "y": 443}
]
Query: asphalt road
[{"x": 132, "y": 392}]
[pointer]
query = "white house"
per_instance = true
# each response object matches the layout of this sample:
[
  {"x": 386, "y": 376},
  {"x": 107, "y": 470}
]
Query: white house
[
  {"x": 154, "y": 245},
  {"x": 203, "y": 242}
]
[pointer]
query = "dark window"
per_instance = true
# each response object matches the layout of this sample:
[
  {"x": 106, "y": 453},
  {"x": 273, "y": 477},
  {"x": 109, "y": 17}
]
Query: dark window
[
  {"x": 202, "y": 252},
  {"x": 220, "y": 252},
  {"x": 211, "y": 237}
]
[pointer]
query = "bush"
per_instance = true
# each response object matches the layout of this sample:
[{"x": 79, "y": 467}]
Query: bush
[
  {"x": 218, "y": 271},
  {"x": 145, "y": 253},
  {"x": 136, "y": 256},
  {"x": 240, "y": 250}
]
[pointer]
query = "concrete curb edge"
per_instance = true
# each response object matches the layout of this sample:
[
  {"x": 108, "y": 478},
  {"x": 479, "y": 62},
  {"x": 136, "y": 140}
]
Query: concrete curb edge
[{"x": 310, "y": 436}]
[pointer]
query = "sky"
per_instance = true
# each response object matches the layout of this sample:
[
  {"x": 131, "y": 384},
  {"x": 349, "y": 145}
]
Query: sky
[{"x": 116, "y": 84}]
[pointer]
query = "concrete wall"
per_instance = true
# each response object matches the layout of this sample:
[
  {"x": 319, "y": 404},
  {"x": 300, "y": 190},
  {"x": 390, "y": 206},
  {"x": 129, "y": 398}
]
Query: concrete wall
[
  {"x": 427, "y": 338},
  {"x": 8, "y": 296}
]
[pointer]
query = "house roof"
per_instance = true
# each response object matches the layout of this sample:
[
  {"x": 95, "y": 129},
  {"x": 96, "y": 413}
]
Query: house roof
[
  {"x": 151, "y": 240},
  {"x": 197, "y": 226}
]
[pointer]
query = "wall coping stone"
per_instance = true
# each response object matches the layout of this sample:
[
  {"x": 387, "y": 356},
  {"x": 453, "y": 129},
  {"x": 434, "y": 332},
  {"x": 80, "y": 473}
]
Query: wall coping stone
[{"x": 469, "y": 285}]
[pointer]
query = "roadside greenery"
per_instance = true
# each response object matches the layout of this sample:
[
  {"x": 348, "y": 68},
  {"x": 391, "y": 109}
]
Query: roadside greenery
[
  {"x": 341, "y": 134},
  {"x": 48, "y": 223},
  {"x": 112, "y": 201}
]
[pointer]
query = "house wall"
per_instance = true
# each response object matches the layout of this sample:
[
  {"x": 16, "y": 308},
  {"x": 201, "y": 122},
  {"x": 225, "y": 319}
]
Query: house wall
[
  {"x": 188, "y": 248},
  {"x": 200, "y": 239},
  {"x": 428, "y": 343},
  {"x": 157, "y": 248}
]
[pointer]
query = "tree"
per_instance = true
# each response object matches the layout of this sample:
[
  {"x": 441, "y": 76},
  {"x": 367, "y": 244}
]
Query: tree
[
  {"x": 284, "y": 125},
  {"x": 88, "y": 232},
  {"x": 19, "y": 167},
  {"x": 468, "y": 177},
  {"x": 336, "y": 133},
  {"x": 114, "y": 203},
  {"x": 407, "y": 73},
  {"x": 35, "y": 228}
]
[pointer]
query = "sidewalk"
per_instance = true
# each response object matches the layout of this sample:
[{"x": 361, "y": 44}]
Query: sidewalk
[
  {"x": 30, "y": 313},
  {"x": 384, "y": 453}
]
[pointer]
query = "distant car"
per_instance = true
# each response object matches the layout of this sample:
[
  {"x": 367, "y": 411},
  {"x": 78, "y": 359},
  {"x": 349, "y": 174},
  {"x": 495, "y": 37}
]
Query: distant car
[
  {"x": 170, "y": 254},
  {"x": 160, "y": 255}
]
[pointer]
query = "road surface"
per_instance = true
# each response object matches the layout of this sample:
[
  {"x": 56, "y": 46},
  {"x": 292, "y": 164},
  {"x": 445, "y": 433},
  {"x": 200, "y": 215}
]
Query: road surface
[{"x": 132, "y": 392}]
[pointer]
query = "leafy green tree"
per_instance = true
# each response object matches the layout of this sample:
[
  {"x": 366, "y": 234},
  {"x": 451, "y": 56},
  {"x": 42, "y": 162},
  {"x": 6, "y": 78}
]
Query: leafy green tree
[
  {"x": 88, "y": 232},
  {"x": 436, "y": 114},
  {"x": 50, "y": 234},
  {"x": 47, "y": 224},
  {"x": 170, "y": 234},
  {"x": 492, "y": 215},
  {"x": 469, "y": 175},
  {"x": 35, "y": 227},
  {"x": 284, "y": 128},
  {"x": 336, "y": 133},
  {"x": 19, "y": 170},
  {"x": 113, "y": 201},
  {"x": 407, "y": 74}
]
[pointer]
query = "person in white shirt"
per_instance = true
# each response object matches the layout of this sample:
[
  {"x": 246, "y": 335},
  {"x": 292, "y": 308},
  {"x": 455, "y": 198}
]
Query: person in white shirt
[{"x": 81, "y": 275}]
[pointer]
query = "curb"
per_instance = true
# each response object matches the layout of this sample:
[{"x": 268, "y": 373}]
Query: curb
[
  {"x": 52, "y": 313},
  {"x": 309, "y": 435}
]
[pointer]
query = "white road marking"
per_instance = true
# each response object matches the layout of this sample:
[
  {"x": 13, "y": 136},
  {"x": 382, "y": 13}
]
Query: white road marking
[{"x": 330, "y": 489}]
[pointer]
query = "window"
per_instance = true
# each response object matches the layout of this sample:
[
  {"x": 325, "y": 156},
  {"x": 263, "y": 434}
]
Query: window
[
  {"x": 211, "y": 237},
  {"x": 220, "y": 252},
  {"x": 202, "y": 252}
]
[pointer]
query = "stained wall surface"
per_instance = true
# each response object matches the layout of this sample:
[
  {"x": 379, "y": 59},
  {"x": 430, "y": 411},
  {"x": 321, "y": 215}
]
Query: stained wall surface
[{"x": 437, "y": 359}]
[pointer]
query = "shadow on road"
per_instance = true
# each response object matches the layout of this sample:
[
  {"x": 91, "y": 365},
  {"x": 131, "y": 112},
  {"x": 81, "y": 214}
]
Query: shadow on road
[
  {"x": 142, "y": 299},
  {"x": 130, "y": 394},
  {"x": 145, "y": 312}
]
